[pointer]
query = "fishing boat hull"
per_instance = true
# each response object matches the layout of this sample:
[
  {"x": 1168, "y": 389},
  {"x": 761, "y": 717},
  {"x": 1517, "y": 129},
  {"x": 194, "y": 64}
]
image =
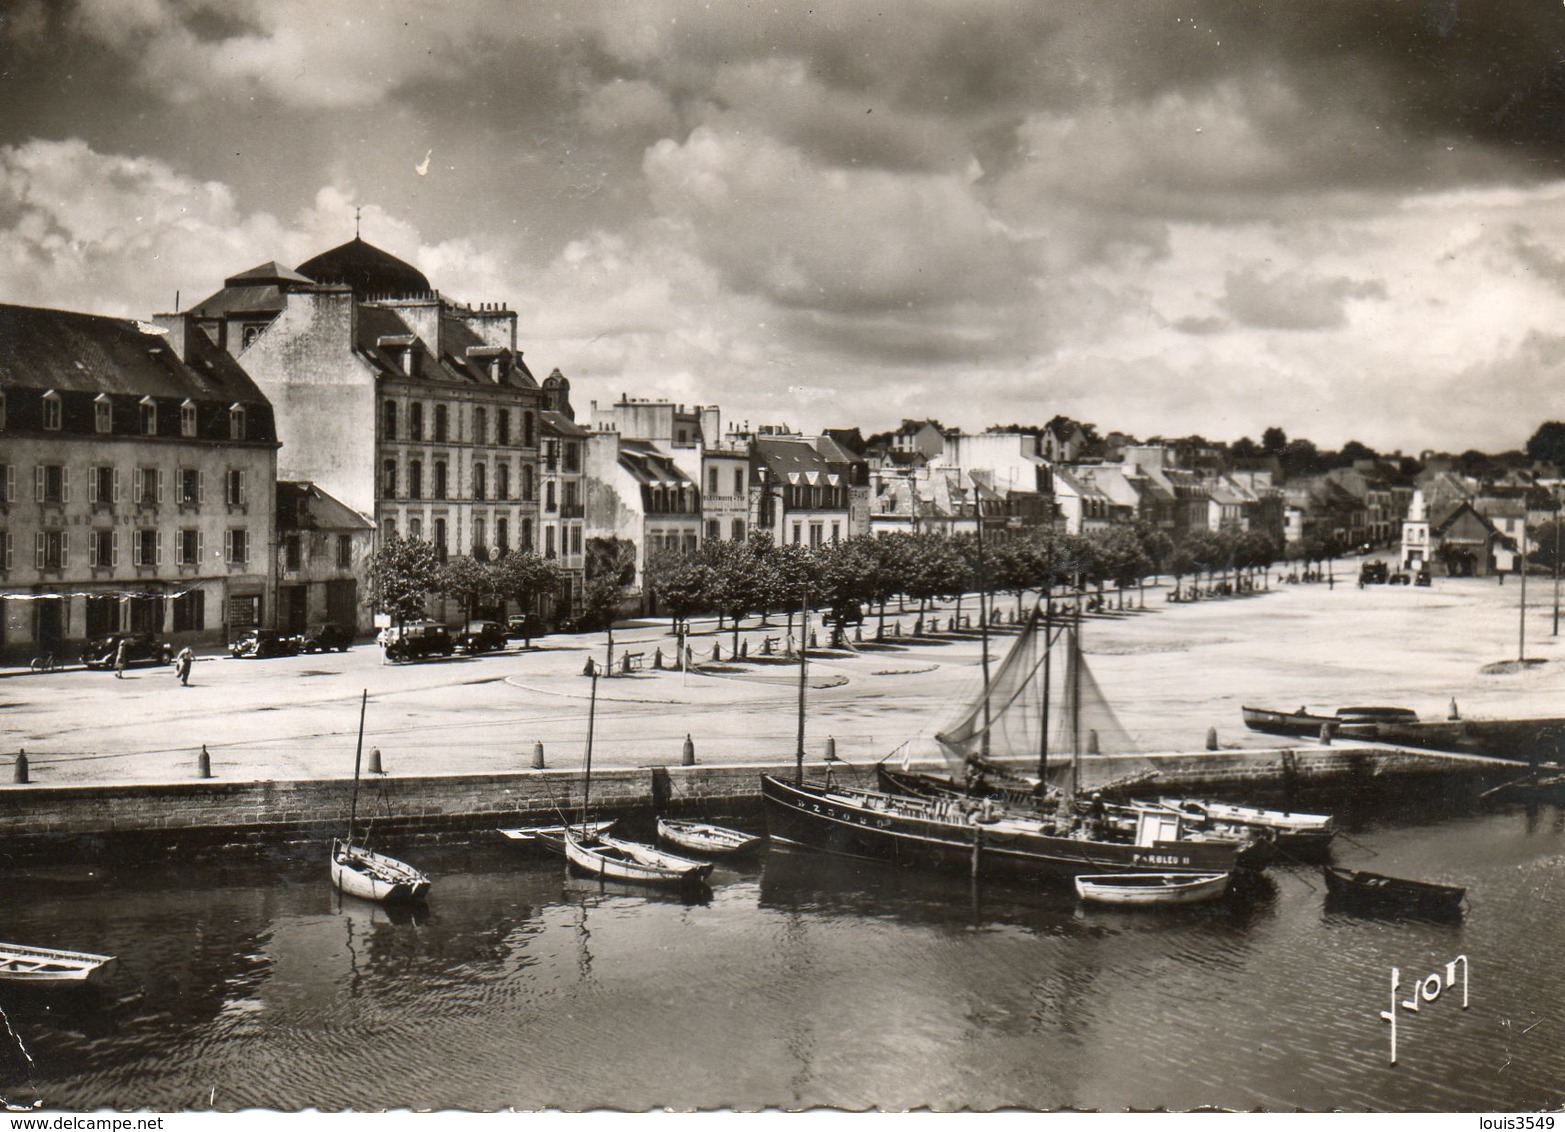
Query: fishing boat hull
[
  {"x": 1152, "y": 890},
  {"x": 614, "y": 859},
  {"x": 1301, "y": 835},
  {"x": 1256, "y": 846},
  {"x": 42, "y": 967},
  {"x": 1377, "y": 893},
  {"x": 932, "y": 834},
  {"x": 1287, "y": 722},
  {"x": 369, "y": 875},
  {"x": 706, "y": 839}
]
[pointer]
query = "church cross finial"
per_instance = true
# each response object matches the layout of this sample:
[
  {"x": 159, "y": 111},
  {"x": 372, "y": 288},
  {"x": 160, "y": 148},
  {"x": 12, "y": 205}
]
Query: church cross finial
[{"x": 356, "y": 211}]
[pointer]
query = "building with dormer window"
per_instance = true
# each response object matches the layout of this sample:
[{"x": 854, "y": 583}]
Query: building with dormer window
[
  {"x": 404, "y": 405},
  {"x": 126, "y": 501}
]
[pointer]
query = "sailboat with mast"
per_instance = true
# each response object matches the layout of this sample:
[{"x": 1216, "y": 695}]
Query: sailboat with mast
[
  {"x": 360, "y": 871},
  {"x": 985, "y": 837},
  {"x": 593, "y": 851}
]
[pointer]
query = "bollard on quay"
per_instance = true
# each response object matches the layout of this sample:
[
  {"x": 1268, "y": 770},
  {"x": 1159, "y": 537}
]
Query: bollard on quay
[
  {"x": 1455, "y": 715},
  {"x": 657, "y": 657},
  {"x": 21, "y": 767},
  {"x": 1325, "y": 735},
  {"x": 717, "y": 652},
  {"x": 1092, "y": 742},
  {"x": 688, "y": 758},
  {"x": 203, "y": 763},
  {"x": 1211, "y": 738},
  {"x": 744, "y": 649},
  {"x": 538, "y": 755},
  {"x": 374, "y": 766},
  {"x": 831, "y": 749}
]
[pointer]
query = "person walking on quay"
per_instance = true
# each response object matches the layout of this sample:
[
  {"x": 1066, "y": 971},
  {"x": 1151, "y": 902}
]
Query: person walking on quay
[
  {"x": 119, "y": 660},
  {"x": 182, "y": 664}
]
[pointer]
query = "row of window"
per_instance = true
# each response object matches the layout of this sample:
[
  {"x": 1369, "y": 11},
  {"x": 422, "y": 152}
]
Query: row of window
[
  {"x": 52, "y": 548},
  {"x": 569, "y": 541},
  {"x": 714, "y": 530},
  {"x": 478, "y": 483},
  {"x": 441, "y": 431},
  {"x": 817, "y": 533},
  {"x": 52, "y": 415},
  {"x": 52, "y": 484}
]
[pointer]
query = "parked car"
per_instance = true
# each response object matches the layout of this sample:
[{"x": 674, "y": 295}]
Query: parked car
[
  {"x": 1373, "y": 573},
  {"x": 481, "y": 636},
  {"x": 259, "y": 644},
  {"x": 522, "y": 625},
  {"x": 327, "y": 636},
  {"x": 416, "y": 640},
  {"x": 140, "y": 648}
]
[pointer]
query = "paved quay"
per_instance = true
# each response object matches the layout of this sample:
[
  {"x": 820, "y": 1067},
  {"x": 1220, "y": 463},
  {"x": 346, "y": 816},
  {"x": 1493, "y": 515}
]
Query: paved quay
[{"x": 1170, "y": 671}]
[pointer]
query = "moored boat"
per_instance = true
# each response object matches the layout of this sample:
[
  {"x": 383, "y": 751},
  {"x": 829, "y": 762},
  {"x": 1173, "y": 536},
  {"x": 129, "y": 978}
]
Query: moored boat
[
  {"x": 552, "y": 837},
  {"x": 369, "y": 875},
  {"x": 1378, "y": 892},
  {"x": 616, "y": 859},
  {"x": 48, "y": 966},
  {"x": 1149, "y": 890},
  {"x": 1298, "y": 834},
  {"x": 1350, "y": 722},
  {"x": 359, "y": 870},
  {"x": 960, "y": 835},
  {"x": 705, "y": 838}
]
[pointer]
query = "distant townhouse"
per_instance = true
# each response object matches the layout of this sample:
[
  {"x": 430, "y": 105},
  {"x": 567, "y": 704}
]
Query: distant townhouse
[
  {"x": 405, "y": 406},
  {"x": 322, "y": 548},
  {"x": 137, "y": 478},
  {"x": 799, "y": 496},
  {"x": 563, "y": 497},
  {"x": 637, "y": 494}
]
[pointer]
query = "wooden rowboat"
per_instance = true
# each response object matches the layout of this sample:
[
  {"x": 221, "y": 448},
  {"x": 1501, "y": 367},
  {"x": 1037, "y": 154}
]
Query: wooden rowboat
[
  {"x": 370, "y": 875},
  {"x": 1373, "y": 891},
  {"x": 552, "y": 837},
  {"x": 613, "y": 859},
  {"x": 1148, "y": 890},
  {"x": 45, "y": 966},
  {"x": 702, "y": 837}
]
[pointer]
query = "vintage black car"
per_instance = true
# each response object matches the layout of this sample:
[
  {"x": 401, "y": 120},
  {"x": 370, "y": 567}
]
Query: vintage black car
[
  {"x": 416, "y": 641},
  {"x": 258, "y": 644},
  {"x": 481, "y": 636},
  {"x": 140, "y": 648},
  {"x": 327, "y": 636},
  {"x": 1373, "y": 573}
]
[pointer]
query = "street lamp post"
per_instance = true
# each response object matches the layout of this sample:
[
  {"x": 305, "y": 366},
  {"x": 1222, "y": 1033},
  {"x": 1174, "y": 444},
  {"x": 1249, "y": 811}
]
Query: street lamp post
[{"x": 1556, "y": 558}]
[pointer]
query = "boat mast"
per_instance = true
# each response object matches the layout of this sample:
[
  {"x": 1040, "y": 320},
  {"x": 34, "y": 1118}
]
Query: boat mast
[
  {"x": 358, "y": 753},
  {"x": 1048, "y": 651},
  {"x": 592, "y": 711},
  {"x": 804, "y": 640},
  {"x": 983, "y": 612},
  {"x": 1075, "y": 699}
]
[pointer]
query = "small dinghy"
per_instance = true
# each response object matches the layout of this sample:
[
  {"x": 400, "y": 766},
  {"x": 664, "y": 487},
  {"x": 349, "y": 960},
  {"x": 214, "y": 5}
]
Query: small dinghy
[
  {"x": 1375, "y": 892},
  {"x": 47, "y": 966},
  {"x": 705, "y": 838},
  {"x": 1151, "y": 889},
  {"x": 552, "y": 837},
  {"x": 613, "y": 859}
]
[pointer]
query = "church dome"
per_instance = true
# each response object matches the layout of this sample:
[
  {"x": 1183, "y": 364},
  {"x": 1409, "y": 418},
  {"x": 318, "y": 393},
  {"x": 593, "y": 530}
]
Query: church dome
[{"x": 372, "y": 273}]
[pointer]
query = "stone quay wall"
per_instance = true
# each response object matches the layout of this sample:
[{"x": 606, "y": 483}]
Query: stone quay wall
[{"x": 212, "y": 815}]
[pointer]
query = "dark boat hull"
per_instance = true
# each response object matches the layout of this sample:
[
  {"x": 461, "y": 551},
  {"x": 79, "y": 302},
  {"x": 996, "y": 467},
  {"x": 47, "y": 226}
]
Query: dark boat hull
[
  {"x": 842, "y": 823},
  {"x": 1374, "y": 892}
]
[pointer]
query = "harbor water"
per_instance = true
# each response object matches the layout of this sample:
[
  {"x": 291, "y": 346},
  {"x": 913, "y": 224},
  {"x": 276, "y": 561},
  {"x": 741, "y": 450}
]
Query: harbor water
[{"x": 801, "y": 980}]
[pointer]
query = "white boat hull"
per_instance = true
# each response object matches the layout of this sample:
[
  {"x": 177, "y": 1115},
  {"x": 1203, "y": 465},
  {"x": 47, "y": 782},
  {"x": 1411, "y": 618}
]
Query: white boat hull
[
  {"x": 374, "y": 876},
  {"x": 1150, "y": 890},
  {"x": 702, "y": 837},
  {"x": 613, "y": 859},
  {"x": 548, "y": 835},
  {"x": 47, "y": 966}
]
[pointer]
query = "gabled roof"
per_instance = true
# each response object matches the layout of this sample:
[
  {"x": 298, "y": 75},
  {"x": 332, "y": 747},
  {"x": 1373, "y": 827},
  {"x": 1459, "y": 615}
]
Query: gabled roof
[
  {"x": 383, "y": 335},
  {"x": 302, "y": 506},
  {"x": 560, "y": 424},
  {"x": 649, "y": 465},
  {"x": 1466, "y": 510}
]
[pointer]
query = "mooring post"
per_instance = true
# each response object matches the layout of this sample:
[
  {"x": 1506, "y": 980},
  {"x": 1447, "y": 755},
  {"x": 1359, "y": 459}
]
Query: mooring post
[
  {"x": 689, "y": 756},
  {"x": 1455, "y": 715},
  {"x": 374, "y": 764},
  {"x": 1211, "y": 738},
  {"x": 203, "y": 763},
  {"x": 1325, "y": 735},
  {"x": 21, "y": 767},
  {"x": 538, "y": 755}
]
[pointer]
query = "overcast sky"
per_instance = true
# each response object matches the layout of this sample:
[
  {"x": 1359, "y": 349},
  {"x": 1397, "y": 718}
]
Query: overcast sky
[{"x": 1342, "y": 217}]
